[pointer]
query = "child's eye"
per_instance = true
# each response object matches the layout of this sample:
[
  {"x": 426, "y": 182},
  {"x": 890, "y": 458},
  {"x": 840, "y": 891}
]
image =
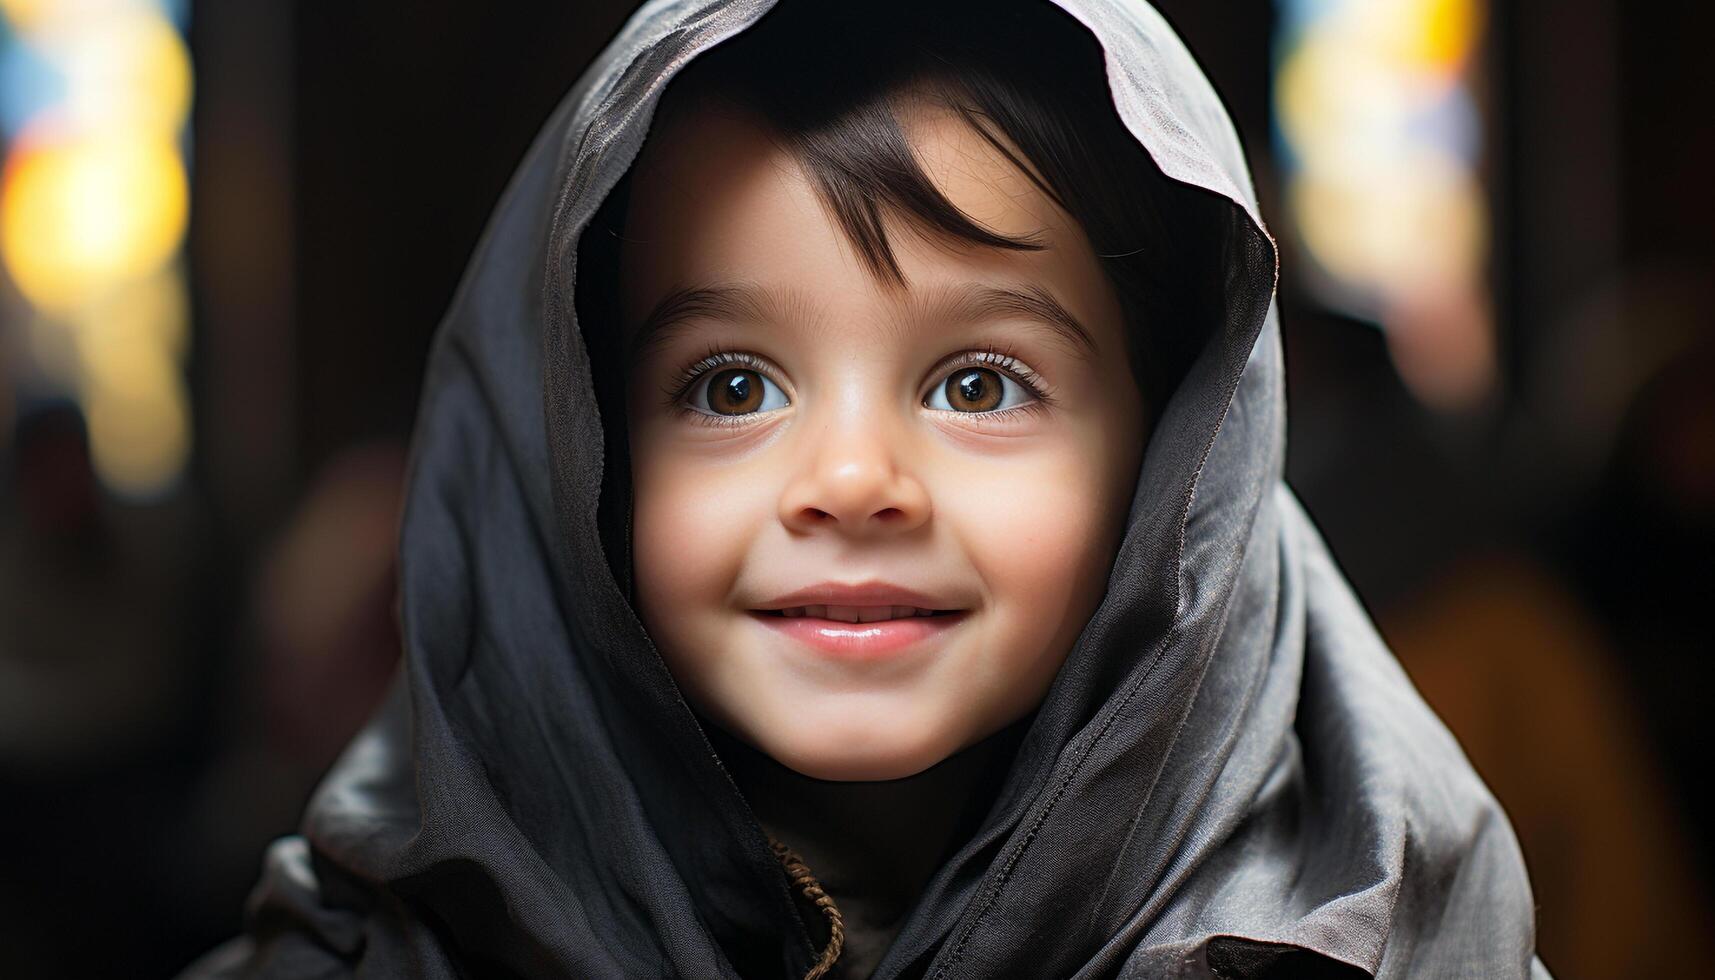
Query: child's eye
[
  {"x": 735, "y": 391},
  {"x": 974, "y": 387},
  {"x": 978, "y": 389}
]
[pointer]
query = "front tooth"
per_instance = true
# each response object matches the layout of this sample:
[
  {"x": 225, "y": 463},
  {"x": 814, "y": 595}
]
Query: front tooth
[
  {"x": 845, "y": 614},
  {"x": 874, "y": 614},
  {"x": 816, "y": 612}
]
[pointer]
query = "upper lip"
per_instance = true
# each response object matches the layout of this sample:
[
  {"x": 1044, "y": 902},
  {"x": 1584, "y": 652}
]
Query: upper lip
[{"x": 871, "y": 593}]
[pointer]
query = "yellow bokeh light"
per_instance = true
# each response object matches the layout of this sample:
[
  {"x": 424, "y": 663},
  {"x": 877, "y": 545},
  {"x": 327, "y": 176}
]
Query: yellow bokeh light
[
  {"x": 139, "y": 427},
  {"x": 1385, "y": 230},
  {"x": 55, "y": 16},
  {"x": 128, "y": 69},
  {"x": 21, "y": 14},
  {"x": 1423, "y": 44},
  {"x": 1443, "y": 34},
  {"x": 133, "y": 393},
  {"x": 154, "y": 311},
  {"x": 80, "y": 216},
  {"x": 1338, "y": 102}
]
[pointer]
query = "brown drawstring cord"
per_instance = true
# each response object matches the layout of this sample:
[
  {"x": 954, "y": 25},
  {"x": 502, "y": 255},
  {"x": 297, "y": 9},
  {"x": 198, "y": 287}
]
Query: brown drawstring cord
[{"x": 800, "y": 874}]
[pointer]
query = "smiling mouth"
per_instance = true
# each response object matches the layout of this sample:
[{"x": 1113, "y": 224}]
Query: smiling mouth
[{"x": 856, "y": 614}]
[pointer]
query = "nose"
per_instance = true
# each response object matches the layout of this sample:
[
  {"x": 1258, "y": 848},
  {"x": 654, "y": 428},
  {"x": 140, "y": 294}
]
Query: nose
[{"x": 851, "y": 481}]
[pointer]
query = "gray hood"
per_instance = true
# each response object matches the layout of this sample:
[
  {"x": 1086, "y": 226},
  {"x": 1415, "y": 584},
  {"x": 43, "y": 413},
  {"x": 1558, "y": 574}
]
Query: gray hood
[{"x": 1230, "y": 777}]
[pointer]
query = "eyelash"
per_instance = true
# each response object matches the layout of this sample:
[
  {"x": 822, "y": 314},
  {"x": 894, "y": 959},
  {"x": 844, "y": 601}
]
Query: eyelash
[{"x": 991, "y": 355}]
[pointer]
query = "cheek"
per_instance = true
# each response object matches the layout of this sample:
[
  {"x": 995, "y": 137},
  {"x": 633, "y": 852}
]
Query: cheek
[
  {"x": 1034, "y": 541},
  {"x": 1042, "y": 540},
  {"x": 691, "y": 526}
]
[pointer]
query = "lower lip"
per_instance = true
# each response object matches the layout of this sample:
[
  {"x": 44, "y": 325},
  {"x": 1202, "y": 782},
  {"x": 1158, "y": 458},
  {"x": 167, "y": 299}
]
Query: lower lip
[{"x": 879, "y": 640}]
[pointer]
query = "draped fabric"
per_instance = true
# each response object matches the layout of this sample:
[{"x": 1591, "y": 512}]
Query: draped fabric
[{"x": 1230, "y": 776}]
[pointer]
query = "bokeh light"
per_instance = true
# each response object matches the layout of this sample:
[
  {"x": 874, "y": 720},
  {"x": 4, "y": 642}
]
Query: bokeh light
[
  {"x": 78, "y": 217},
  {"x": 1381, "y": 140},
  {"x": 94, "y": 203}
]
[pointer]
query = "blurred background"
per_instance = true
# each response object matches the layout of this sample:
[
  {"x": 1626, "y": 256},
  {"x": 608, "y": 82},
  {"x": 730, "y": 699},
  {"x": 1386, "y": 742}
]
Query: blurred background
[{"x": 228, "y": 231}]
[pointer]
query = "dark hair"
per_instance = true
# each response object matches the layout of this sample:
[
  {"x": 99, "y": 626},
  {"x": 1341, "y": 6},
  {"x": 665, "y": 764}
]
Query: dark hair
[{"x": 826, "y": 78}]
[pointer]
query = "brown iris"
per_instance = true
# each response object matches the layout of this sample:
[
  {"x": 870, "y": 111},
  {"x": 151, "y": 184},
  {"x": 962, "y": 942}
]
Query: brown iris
[
  {"x": 974, "y": 390},
  {"x": 735, "y": 392}
]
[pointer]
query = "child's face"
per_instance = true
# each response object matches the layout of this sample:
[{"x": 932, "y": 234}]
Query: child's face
[{"x": 859, "y": 444}]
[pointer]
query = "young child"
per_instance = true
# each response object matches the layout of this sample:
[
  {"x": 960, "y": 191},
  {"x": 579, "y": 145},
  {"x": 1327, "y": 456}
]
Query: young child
[{"x": 847, "y": 538}]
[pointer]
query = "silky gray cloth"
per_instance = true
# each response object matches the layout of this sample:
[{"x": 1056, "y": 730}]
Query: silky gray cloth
[{"x": 1230, "y": 777}]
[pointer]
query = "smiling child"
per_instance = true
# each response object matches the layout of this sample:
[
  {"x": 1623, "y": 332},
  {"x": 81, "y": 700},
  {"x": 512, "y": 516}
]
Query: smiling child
[{"x": 847, "y": 538}]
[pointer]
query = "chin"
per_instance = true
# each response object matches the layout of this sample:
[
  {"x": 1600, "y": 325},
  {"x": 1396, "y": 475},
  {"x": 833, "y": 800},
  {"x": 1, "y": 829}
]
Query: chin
[{"x": 856, "y": 753}]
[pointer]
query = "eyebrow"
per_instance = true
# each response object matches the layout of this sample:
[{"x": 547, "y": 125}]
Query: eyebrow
[
  {"x": 736, "y": 301},
  {"x": 965, "y": 303}
]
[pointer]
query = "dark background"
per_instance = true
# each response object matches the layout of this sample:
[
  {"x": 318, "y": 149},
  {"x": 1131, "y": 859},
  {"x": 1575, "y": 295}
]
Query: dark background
[{"x": 1540, "y": 562}]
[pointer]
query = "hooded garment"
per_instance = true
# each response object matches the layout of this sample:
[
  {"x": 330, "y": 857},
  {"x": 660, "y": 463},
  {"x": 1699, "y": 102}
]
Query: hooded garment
[{"x": 1230, "y": 776}]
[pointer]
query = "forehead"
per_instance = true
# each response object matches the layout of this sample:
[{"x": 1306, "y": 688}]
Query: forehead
[{"x": 716, "y": 195}]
